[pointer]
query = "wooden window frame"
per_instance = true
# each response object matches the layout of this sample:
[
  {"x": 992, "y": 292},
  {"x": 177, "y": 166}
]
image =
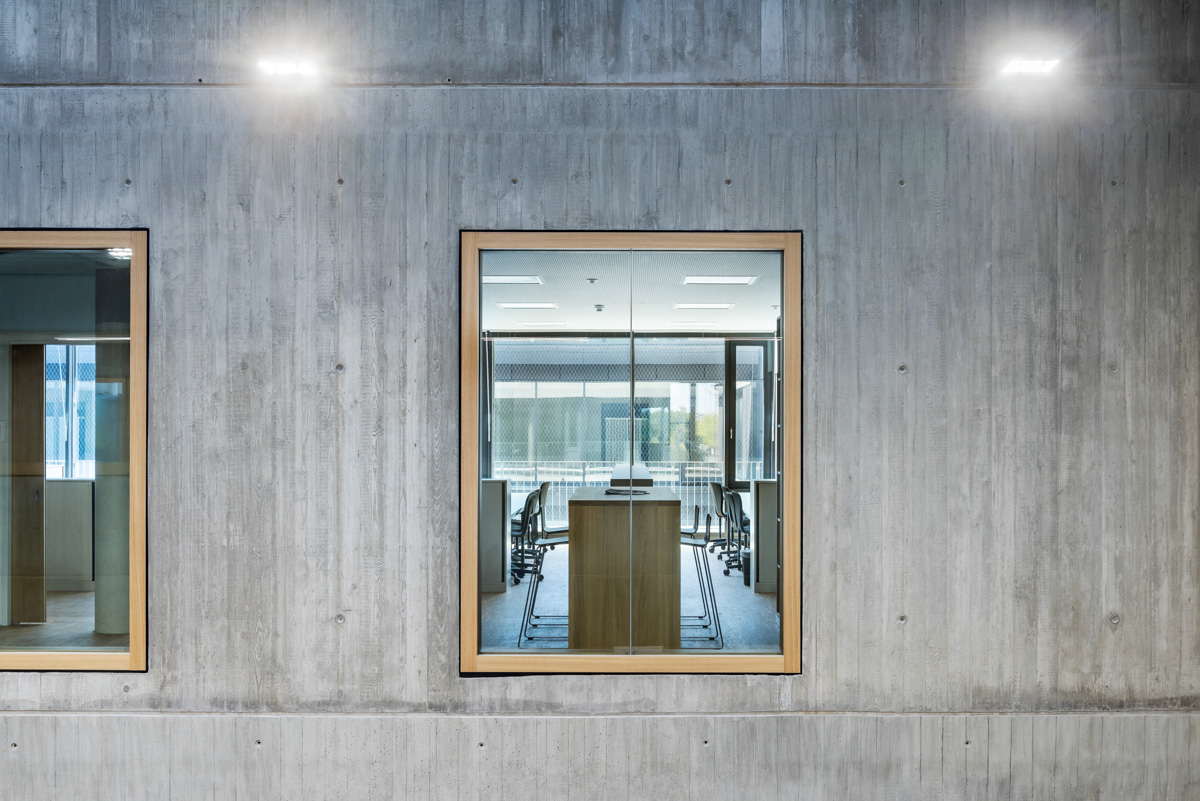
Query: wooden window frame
[
  {"x": 472, "y": 243},
  {"x": 138, "y": 241}
]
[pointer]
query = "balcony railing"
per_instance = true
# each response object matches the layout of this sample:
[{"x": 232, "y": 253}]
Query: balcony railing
[{"x": 689, "y": 480}]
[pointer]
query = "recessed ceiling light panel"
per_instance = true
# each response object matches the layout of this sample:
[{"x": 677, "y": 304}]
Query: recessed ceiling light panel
[
  {"x": 528, "y": 305},
  {"x": 121, "y": 253},
  {"x": 744, "y": 280},
  {"x": 512, "y": 279}
]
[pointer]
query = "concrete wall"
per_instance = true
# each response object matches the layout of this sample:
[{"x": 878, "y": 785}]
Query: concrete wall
[{"x": 1025, "y": 493}]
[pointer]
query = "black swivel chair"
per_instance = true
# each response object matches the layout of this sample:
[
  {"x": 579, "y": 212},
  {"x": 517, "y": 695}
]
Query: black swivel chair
[
  {"x": 711, "y": 619},
  {"x": 738, "y": 534}
]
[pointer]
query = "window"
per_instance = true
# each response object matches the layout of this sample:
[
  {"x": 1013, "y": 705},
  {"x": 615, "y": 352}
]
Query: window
[
  {"x": 73, "y": 450},
  {"x": 71, "y": 411},
  {"x": 624, "y": 504}
]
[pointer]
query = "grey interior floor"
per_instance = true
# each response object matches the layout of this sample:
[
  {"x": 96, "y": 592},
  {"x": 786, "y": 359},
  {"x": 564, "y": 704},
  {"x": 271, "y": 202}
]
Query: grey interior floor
[
  {"x": 748, "y": 619},
  {"x": 69, "y": 626}
]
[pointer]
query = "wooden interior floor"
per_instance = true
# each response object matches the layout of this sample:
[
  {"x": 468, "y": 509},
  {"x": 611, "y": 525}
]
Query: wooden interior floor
[
  {"x": 70, "y": 626},
  {"x": 748, "y": 619}
]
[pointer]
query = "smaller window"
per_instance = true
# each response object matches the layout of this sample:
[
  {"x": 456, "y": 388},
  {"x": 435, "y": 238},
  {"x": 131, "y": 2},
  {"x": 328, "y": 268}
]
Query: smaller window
[{"x": 73, "y": 458}]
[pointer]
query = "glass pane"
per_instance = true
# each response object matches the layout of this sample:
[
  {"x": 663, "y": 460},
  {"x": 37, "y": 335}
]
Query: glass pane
[
  {"x": 750, "y": 388},
  {"x": 624, "y": 411},
  {"x": 64, "y": 489},
  {"x": 57, "y": 404},
  {"x": 701, "y": 396},
  {"x": 555, "y": 427}
]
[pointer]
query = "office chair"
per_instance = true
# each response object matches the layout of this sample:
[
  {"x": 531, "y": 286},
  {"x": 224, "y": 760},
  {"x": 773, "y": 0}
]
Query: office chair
[
  {"x": 718, "y": 494},
  {"x": 544, "y": 500},
  {"x": 738, "y": 535},
  {"x": 555, "y": 536},
  {"x": 522, "y": 555},
  {"x": 537, "y": 545},
  {"x": 711, "y": 619}
]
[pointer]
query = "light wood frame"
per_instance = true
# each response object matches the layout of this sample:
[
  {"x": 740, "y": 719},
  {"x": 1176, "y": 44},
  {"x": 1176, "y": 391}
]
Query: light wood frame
[
  {"x": 138, "y": 242},
  {"x": 471, "y": 660}
]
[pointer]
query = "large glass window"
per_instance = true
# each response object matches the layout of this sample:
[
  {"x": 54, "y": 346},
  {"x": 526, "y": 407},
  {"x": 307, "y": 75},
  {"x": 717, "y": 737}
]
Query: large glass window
[
  {"x": 72, "y": 450},
  {"x": 621, "y": 498}
]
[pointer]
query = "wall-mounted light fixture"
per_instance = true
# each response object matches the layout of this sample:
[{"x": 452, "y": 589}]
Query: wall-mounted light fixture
[
  {"x": 290, "y": 68},
  {"x": 1023, "y": 66}
]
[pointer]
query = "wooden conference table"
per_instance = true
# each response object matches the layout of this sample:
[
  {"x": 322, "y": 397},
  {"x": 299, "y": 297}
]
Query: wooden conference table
[{"x": 612, "y": 571}]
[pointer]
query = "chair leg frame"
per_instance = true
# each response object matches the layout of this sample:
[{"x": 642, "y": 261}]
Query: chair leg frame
[
  {"x": 716, "y": 637},
  {"x": 531, "y": 603}
]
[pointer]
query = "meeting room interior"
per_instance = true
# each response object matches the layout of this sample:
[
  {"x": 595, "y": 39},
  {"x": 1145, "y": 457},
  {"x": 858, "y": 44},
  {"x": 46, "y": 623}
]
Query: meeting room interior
[{"x": 629, "y": 444}]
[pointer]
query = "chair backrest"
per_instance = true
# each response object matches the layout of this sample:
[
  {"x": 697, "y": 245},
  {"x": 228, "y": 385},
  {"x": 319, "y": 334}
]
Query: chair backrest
[
  {"x": 733, "y": 510},
  {"x": 529, "y": 515},
  {"x": 718, "y": 493},
  {"x": 543, "y": 504}
]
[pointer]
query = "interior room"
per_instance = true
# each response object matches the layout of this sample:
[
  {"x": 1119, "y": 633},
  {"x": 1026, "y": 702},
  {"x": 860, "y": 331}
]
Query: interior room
[
  {"x": 64, "y": 366},
  {"x": 573, "y": 341}
]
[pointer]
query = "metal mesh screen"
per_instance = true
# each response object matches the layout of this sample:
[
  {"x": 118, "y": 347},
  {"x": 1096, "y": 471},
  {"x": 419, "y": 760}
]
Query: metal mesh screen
[
  {"x": 562, "y": 414},
  {"x": 70, "y": 411},
  {"x": 57, "y": 405}
]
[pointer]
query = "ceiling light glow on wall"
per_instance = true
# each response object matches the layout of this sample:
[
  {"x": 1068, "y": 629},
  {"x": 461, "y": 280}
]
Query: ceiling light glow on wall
[
  {"x": 1021, "y": 66},
  {"x": 528, "y": 305},
  {"x": 121, "y": 253},
  {"x": 704, "y": 305},
  {"x": 745, "y": 280},
  {"x": 511, "y": 279}
]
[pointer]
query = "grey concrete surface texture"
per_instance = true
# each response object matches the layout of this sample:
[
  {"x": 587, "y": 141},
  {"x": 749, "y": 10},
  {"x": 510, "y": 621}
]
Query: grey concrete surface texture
[
  {"x": 186, "y": 757},
  {"x": 711, "y": 41},
  {"x": 1001, "y": 406}
]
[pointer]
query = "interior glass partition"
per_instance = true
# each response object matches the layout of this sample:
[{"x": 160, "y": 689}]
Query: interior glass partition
[{"x": 627, "y": 452}]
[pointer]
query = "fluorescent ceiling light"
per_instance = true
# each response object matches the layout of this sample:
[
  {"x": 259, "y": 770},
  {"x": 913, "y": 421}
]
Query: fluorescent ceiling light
[
  {"x": 704, "y": 305},
  {"x": 720, "y": 279},
  {"x": 92, "y": 339},
  {"x": 121, "y": 253},
  {"x": 288, "y": 67},
  {"x": 528, "y": 305},
  {"x": 512, "y": 279},
  {"x": 1029, "y": 67},
  {"x": 542, "y": 323},
  {"x": 692, "y": 324}
]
